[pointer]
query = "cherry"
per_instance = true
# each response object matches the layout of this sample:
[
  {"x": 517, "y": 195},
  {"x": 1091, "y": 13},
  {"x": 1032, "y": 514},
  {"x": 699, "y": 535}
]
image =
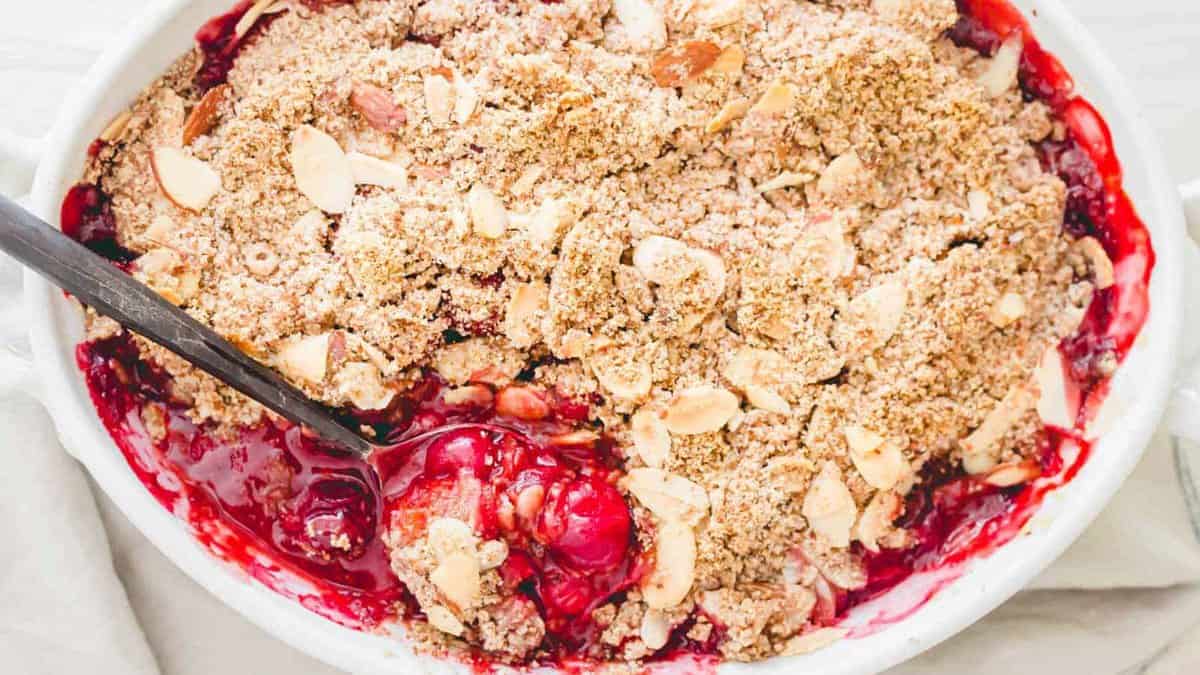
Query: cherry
[
  {"x": 565, "y": 594},
  {"x": 587, "y": 524},
  {"x": 334, "y": 517},
  {"x": 87, "y": 217},
  {"x": 464, "y": 449}
]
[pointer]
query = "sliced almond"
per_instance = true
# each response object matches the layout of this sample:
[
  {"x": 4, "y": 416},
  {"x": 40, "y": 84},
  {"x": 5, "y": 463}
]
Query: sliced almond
[
  {"x": 160, "y": 229},
  {"x": 674, "y": 566},
  {"x": 879, "y": 310},
  {"x": 470, "y": 394},
  {"x": 655, "y": 629},
  {"x": 1102, "y": 267},
  {"x": 829, "y": 506},
  {"x": 767, "y": 399},
  {"x": 204, "y": 116},
  {"x": 530, "y": 501},
  {"x": 1007, "y": 310},
  {"x": 444, "y": 620},
  {"x": 979, "y": 448},
  {"x": 729, "y": 112},
  {"x": 779, "y": 98},
  {"x": 731, "y": 61},
  {"x": 577, "y": 438},
  {"x": 843, "y": 171},
  {"x": 547, "y": 223},
  {"x": 668, "y": 496},
  {"x": 700, "y": 410},
  {"x": 654, "y": 257},
  {"x": 786, "y": 179},
  {"x": 1000, "y": 75},
  {"x": 321, "y": 169},
  {"x": 525, "y": 306},
  {"x": 881, "y": 462},
  {"x": 188, "y": 182},
  {"x": 751, "y": 365},
  {"x": 167, "y": 272},
  {"x": 251, "y": 17},
  {"x": 448, "y": 536},
  {"x": 812, "y": 641},
  {"x": 378, "y": 107},
  {"x": 682, "y": 63},
  {"x": 439, "y": 98},
  {"x": 878, "y": 519},
  {"x": 489, "y": 218},
  {"x": 1013, "y": 473},
  {"x": 643, "y": 22},
  {"x": 457, "y": 579},
  {"x": 650, "y": 437},
  {"x": 718, "y": 13},
  {"x": 116, "y": 128},
  {"x": 466, "y": 99},
  {"x": 713, "y": 266},
  {"x": 523, "y": 403},
  {"x": 368, "y": 170},
  {"x": 1057, "y": 406},
  {"x": 362, "y": 384},
  {"x": 306, "y": 358},
  {"x": 978, "y": 204}
]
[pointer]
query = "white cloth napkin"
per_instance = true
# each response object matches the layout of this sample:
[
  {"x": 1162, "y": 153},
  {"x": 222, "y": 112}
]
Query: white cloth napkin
[{"x": 82, "y": 591}]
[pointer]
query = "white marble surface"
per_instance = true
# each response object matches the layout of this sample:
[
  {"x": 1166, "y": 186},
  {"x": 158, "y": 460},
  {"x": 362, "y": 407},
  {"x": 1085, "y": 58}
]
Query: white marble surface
[{"x": 45, "y": 48}]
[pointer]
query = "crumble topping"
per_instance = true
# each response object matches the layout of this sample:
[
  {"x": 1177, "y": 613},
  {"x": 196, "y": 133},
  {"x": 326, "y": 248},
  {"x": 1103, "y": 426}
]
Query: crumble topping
[{"x": 790, "y": 252}]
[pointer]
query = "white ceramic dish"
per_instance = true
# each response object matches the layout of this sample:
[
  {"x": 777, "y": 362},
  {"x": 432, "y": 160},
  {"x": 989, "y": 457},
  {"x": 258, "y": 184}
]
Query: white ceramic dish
[{"x": 1141, "y": 391}]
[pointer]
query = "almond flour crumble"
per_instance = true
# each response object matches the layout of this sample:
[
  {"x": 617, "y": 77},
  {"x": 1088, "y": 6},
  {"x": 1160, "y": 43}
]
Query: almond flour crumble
[{"x": 788, "y": 252}]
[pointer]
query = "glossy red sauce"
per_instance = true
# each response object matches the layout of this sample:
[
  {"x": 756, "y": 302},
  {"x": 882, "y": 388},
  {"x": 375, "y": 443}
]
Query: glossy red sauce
[{"x": 306, "y": 520}]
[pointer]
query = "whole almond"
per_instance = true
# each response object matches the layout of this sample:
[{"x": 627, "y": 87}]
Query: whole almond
[
  {"x": 378, "y": 107},
  {"x": 681, "y": 63},
  {"x": 204, "y": 116}
]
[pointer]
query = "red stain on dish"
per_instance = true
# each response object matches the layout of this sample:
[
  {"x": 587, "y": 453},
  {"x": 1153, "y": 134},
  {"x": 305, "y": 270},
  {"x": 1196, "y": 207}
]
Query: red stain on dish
[{"x": 306, "y": 519}]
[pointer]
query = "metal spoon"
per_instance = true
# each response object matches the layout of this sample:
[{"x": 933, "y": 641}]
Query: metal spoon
[{"x": 99, "y": 284}]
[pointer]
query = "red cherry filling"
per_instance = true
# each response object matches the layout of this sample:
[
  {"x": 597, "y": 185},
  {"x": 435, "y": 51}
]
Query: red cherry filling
[
  {"x": 465, "y": 450},
  {"x": 520, "y": 464},
  {"x": 333, "y": 516},
  {"x": 87, "y": 217},
  {"x": 586, "y": 523}
]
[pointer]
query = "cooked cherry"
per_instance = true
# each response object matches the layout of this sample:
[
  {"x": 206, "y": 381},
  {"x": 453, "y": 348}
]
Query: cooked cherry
[
  {"x": 335, "y": 516},
  {"x": 587, "y": 524},
  {"x": 465, "y": 449}
]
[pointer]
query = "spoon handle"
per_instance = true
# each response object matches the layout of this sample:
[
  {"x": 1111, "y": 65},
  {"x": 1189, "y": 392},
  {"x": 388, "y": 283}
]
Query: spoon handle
[{"x": 99, "y": 284}]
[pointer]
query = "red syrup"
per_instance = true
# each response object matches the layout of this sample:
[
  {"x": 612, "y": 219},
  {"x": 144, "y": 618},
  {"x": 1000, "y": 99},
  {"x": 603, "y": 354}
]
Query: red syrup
[
  {"x": 288, "y": 509},
  {"x": 306, "y": 520}
]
